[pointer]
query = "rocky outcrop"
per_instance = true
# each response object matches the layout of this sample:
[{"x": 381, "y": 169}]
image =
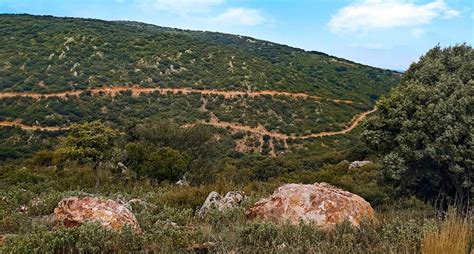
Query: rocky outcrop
[
  {"x": 216, "y": 201},
  {"x": 319, "y": 203},
  {"x": 74, "y": 211},
  {"x": 358, "y": 164}
]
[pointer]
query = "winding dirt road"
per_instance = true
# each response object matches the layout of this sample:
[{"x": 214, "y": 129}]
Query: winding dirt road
[
  {"x": 215, "y": 122},
  {"x": 116, "y": 90},
  {"x": 262, "y": 131}
]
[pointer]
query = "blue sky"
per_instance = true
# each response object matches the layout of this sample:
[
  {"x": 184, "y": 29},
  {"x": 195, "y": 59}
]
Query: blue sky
[{"x": 383, "y": 33}]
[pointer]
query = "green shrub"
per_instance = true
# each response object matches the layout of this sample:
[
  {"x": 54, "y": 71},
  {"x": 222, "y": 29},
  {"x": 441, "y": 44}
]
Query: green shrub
[{"x": 88, "y": 238}]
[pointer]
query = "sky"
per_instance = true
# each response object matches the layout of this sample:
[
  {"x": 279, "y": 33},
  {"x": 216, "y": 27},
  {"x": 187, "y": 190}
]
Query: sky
[{"x": 389, "y": 34}]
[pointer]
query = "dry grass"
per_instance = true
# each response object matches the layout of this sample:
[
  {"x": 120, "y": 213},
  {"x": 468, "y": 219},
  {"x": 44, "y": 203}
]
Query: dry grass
[{"x": 452, "y": 236}]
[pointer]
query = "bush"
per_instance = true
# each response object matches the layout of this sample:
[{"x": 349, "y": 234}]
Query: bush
[
  {"x": 88, "y": 238},
  {"x": 424, "y": 128}
]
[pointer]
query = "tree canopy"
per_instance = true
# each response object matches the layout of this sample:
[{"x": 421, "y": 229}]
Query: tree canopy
[
  {"x": 425, "y": 127},
  {"x": 90, "y": 142}
]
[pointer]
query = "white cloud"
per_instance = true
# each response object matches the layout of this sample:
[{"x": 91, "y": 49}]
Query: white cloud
[
  {"x": 367, "y": 15},
  {"x": 240, "y": 16},
  {"x": 179, "y": 6}
]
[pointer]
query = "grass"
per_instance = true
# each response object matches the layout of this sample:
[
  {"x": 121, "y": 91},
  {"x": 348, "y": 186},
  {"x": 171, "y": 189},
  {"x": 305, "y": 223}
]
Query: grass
[{"x": 453, "y": 235}]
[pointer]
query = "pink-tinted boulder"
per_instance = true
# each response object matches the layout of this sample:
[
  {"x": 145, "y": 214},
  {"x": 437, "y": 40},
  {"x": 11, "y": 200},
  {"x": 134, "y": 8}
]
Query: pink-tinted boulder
[
  {"x": 74, "y": 211},
  {"x": 319, "y": 203}
]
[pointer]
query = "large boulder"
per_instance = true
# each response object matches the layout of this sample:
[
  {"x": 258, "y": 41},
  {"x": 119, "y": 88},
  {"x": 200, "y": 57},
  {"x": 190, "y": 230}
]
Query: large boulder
[
  {"x": 74, "y": 211},
  {"x": 319, "y": 203},
  {"x": 215, "y": 201}
]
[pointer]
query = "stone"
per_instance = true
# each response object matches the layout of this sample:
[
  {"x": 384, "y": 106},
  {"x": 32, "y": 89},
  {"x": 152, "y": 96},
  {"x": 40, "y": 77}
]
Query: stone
[
  {"x": 215, "y": 201},
  {"x": 74, "y": 211},
  {"x": 321, "y": 204},
  {"x": 231, "y": 199},
  {"x": 121, "y": 166},
  {"x": 358, "y": 164},
  {"x": 183, "y": 182}
]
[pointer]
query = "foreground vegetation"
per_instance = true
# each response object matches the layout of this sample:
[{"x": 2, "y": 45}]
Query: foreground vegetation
[{"x": 403, "y": 227}]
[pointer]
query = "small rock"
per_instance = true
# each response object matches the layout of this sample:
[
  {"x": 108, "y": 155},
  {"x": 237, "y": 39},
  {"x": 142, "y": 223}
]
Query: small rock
[
  {"x": 74, "y": 211},
  {"x": 183, "y": 182},
  {"x": 216, "y": 201},
  {"x": 231, "y": 199},
  {"x": 171, "y": 223},
  {"x": 358, "y": 164},
  {"x": 121, "y": 166}
]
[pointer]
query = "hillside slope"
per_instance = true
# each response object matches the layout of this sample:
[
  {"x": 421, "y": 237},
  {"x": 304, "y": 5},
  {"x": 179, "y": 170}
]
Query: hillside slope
[
  {"x": 58, "y": 71},
  {"x": 45, "y": 54}
]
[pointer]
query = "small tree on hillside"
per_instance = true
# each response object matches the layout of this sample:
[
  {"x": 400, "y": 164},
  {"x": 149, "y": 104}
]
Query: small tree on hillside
[
  {"x": 425, "y": 127},
  {"x": 89, "y": 143}
]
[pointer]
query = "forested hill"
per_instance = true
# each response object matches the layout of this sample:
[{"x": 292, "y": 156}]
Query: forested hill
[{"x": 49, "y": 54}]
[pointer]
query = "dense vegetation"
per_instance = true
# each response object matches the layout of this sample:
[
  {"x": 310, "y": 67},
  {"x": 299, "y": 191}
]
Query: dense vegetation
[
  {"x": 47, "y": 54},
  {"x": 282, "y": 114},
  {"x": 425, "y": 127}
]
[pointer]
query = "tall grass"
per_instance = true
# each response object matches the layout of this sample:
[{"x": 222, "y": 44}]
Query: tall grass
[{"x": 454, "y": 235}]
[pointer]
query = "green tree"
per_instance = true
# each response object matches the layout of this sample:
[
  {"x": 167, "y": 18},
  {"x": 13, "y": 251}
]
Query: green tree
[
  {"x": 160, "y": 164},
  {"x": 424, "y": 128},
  {"x": 88, "y": 143},
  {"x": 199, "y": 143}
]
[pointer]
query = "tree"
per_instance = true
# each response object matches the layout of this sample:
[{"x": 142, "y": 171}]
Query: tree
[
  {"x": 199, "y": 144},
  {"x": 425, "y": 127},
  {"x": 89, "y": 143},
  {"x": 159, "y": 164}
]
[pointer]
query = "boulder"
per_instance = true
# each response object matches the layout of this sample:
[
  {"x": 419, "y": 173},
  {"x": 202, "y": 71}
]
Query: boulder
[
  {"x": 74, "y": 211},
  {"x": 319, "y": 203},
  {"x": 358, "y": 164},
  {"x": 215, "y": 201}
]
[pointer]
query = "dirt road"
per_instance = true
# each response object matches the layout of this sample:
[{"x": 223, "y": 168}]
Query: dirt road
[
  {"x": 262, "y": 131},
  {"x": 237, "y": 127},
  {"x": 116, "y": 90}
]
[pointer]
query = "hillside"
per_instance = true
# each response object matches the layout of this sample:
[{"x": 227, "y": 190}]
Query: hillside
[
  {"x": 56, "y": 54},
  {"x": 59, "y": 71}
]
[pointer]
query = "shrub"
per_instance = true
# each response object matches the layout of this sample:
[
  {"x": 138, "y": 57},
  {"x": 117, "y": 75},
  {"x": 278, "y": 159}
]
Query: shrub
[{"x": 88, "y": 238}]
